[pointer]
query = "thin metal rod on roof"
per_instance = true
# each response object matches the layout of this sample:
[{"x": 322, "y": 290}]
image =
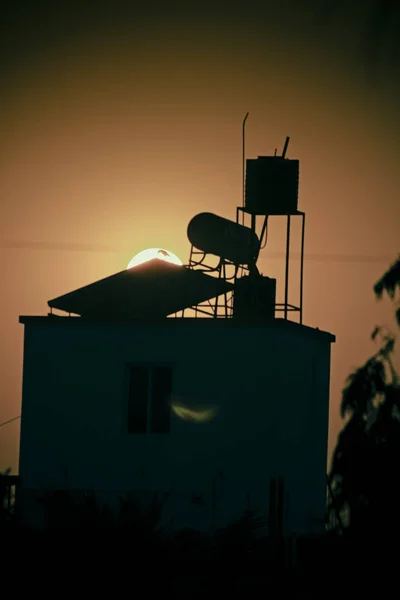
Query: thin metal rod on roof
[
  {"x": 285, "y": 147},
  {"x": 244, "y": 153}
]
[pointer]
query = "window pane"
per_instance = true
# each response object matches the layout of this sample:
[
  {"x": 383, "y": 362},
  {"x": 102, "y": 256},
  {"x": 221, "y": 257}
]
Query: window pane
[
  {"x": 160, "y": 408},
  {"x": 138, "y": 398}
]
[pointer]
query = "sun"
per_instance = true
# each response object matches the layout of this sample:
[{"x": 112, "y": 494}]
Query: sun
[{"x": 150, "y": 253}]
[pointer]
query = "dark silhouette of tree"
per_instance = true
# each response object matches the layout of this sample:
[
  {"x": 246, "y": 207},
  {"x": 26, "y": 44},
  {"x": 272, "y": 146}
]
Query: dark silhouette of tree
[{"x": 365, "y": 473}]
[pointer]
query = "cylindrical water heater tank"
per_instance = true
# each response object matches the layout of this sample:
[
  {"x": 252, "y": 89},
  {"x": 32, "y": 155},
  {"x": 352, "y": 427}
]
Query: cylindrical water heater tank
[
  {"x": 272, "y": 185},
  {"x": 215, "y": 235}
]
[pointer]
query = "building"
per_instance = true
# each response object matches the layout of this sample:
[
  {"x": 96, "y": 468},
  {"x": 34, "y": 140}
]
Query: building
[
  {"x": 268, "y": 383},
  {"x": 217, "y": 414}
]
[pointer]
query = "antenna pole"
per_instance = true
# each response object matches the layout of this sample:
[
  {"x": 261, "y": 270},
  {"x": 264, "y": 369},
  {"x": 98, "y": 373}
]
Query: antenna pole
[{"x": 244, "y": 154}]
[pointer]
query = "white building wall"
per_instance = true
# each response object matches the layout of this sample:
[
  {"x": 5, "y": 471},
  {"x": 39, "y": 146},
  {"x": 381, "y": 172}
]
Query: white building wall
[{"x": 271, "y": 385}]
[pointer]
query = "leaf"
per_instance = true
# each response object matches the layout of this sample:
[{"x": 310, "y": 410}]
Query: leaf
[
  {"x": 389, "y": 281},
  {"x": 387, "y": 348},
  {"x": 375, "y": 332}
]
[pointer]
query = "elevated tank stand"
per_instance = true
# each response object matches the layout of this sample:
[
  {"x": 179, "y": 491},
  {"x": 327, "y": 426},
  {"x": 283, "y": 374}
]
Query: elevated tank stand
[{"x": 286, "y": 307}]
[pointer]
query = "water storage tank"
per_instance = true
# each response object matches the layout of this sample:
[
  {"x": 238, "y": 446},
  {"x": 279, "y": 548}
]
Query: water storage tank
[
  {"x": 254, "y": 298},
  {"x": 224, "y": 238},
  {"x": 272, "y": 185}
]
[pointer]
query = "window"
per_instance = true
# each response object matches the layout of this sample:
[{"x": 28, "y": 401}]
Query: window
[{"x": 149, "y": 393}]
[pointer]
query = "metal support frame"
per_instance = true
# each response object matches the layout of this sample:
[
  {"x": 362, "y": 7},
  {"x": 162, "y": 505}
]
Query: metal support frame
[
  {"x": 284, "y": 307},
  {"x": 222, "y": 305}
]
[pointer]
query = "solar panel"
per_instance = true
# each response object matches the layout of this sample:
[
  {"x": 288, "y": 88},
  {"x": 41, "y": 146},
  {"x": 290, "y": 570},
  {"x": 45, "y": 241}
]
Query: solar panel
[{"x": 153, "y": 289}]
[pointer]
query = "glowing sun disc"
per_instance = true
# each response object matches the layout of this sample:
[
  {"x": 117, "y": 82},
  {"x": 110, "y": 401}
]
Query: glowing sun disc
[{"x": 150, "y": 253}]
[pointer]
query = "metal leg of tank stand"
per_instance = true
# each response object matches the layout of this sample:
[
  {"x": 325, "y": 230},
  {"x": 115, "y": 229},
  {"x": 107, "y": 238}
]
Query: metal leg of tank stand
[
  {"x": 253, "y": 223},
  {"x": 225, "y": 293},
  {"x": 220, "y": 274},
  {"x": 303, "y": 224},
  {"x": 287, "y": 266}
]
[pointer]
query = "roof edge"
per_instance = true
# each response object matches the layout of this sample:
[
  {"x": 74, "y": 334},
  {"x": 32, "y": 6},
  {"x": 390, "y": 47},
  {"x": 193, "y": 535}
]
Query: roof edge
[{"x": 172, "y": 322}]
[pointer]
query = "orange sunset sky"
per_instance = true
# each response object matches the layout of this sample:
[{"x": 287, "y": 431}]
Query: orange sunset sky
[{"x": 119, "y": 123}]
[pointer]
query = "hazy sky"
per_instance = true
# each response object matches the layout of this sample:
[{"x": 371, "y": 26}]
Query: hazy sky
[{"x": 119, "y": 123}]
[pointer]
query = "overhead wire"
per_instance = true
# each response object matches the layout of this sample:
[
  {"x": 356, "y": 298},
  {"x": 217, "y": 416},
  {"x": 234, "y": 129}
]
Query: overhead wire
[
  {"x": 10, "y": 421},
  {"x": 100, "y": 248}
]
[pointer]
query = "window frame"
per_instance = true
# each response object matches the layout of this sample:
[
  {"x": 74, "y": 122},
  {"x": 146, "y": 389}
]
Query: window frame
[{"x": 150, "y": 366}]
